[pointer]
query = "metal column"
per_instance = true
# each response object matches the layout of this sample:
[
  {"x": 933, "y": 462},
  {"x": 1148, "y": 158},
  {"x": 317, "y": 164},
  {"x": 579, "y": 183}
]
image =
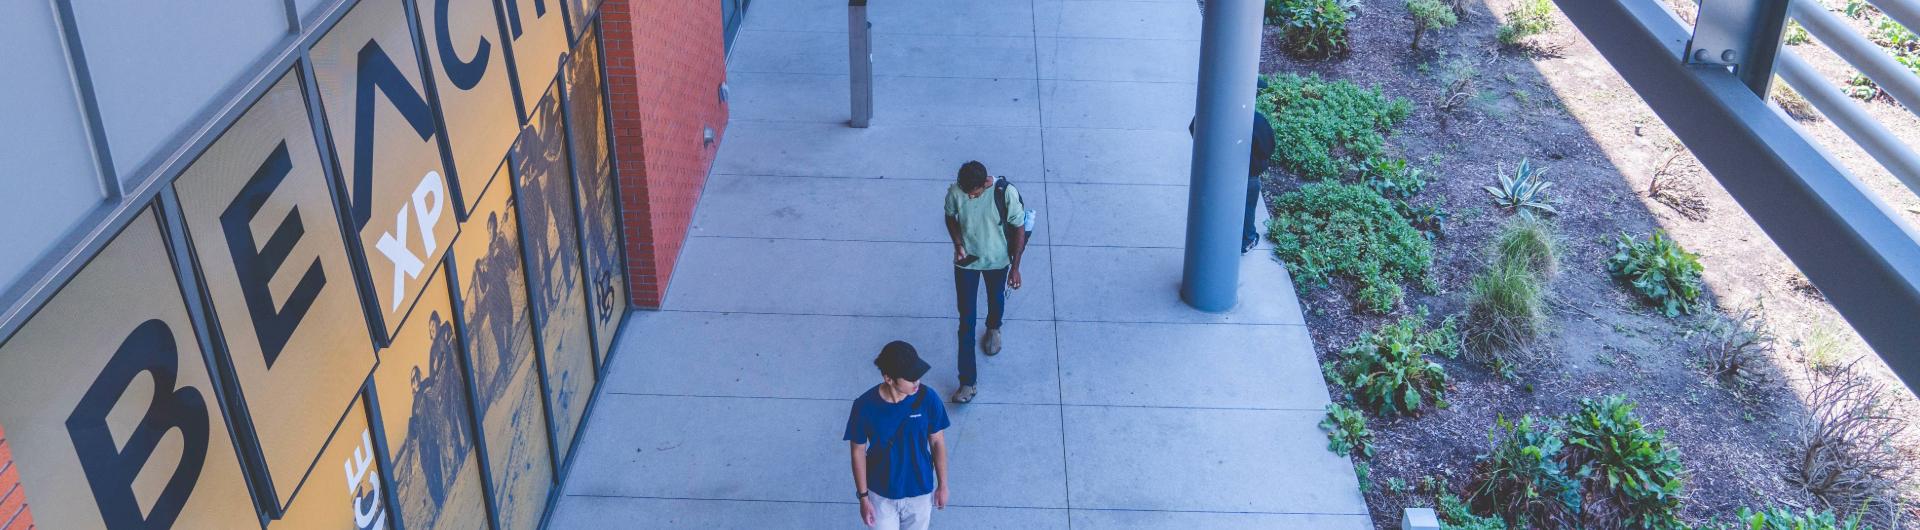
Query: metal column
[
  {"x": 1223, "y": 130},
  {"x": 860, "y": 62}
]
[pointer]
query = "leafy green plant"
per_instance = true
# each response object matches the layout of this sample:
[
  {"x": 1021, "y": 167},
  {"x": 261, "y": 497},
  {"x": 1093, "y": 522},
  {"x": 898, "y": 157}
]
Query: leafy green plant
[
  {"x": 1659, "y": 271},
  {"x": 1859, "y": 9},
  {"x": 1326, "y": 230},
  {"x": 1862, "y": 87},
  {"x": 1526, "y": 19},
  {"x": 1313, "y": 28},
  {"x": 1430, "y": 14},
  {"x": 1347, "y": 431},
  {"x": 1522, "y": 478},
  {"x": 1797, "y": 34},
  {"x": 1325, "y": 129},
  {"x": 1387, "y": 371},
  {"x": 1455, "y": 515},
  {"x": 1525, "y": 190},
  {"x": 1429, "y": 219},
  {"x": 1393, "y": 178},
  {"x": 1779, "y": 518},
  {"x": 1638, "y": 474}
]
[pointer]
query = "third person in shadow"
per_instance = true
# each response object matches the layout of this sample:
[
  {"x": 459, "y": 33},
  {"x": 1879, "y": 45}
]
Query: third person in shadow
[{"x": 985, "y": 220}]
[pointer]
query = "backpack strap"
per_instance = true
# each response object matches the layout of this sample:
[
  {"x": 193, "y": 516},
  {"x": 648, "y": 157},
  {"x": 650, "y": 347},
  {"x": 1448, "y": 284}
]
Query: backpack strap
[{"x": 1000, "y": 197}]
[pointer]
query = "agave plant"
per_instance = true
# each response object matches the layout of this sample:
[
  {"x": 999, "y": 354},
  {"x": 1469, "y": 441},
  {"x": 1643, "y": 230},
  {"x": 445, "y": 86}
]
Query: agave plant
[{"x": 1525, "y": 190}]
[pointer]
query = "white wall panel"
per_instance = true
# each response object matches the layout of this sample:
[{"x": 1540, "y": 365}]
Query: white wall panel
[
  {"x": 48, "y": 182},
  {"x": 157, "y": 66}
]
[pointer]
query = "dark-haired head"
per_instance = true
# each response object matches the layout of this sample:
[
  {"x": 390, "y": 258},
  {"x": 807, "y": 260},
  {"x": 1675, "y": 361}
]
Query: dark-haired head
[{"x": 973, "y": 176}]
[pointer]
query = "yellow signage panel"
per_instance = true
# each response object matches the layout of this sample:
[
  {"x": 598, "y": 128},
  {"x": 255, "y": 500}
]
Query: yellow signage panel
[
  {"x": 539, "y": 34},
  {"x": 491, "y": 298},
  {"x": 551, "y": 243},
  {"x": 345, "y": 488},
  {"x": 261, "y": 220},
  {"x": 424, "y": 411},
  {"x": 599, "y": 208},
  {"x": 476, "y": 97},
  {"x": 113, "y": 418},
  {"x": 385, "y": 139}
]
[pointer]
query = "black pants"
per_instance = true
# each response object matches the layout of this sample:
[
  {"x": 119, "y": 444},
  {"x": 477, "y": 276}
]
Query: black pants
[{"x": 965, "y": 290}]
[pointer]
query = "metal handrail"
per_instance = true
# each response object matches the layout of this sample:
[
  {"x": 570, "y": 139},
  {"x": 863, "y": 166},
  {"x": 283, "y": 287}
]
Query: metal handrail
[
  {"x": 1850, "y": 118},
  {"x": 1872, "y": 60}
]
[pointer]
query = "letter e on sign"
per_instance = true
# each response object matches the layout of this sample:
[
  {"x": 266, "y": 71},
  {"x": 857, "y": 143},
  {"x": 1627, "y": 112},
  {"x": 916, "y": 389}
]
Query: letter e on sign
[{"x": 261, "y": 220}]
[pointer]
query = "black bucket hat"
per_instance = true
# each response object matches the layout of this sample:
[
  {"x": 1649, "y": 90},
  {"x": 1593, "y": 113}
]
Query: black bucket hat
[{"x": 899, "y": 360}]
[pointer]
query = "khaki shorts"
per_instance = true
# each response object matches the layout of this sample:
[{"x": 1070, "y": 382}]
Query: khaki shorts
[{"x": 911, "y": 513}]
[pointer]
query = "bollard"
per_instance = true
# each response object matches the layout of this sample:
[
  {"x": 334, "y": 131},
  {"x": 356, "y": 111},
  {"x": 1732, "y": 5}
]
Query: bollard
[
  {"x": 860, "y": 62},
  {"x": 1420, "y": 519}
]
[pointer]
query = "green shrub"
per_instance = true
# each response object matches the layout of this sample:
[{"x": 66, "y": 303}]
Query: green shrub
[
  {"x": 1325, "y": 129},
  {"x": 1455, "y": 515},
  {"x": 1323, "y": 230},
  {"x": 1631, "y": 466},
  {"x": 1430, "y": 14},
  {"x": 1522, "y": 478},
  {"x": 1387, "y": 371},
  {"x": 1528, "y": 18},
  {"x": 1393, "y": 178},
  {"x": 1778, "y": 518},
  {"x": 1659, "y": 271},
  {"x": 1347, "y": 431},
  {"x": 1429, "y": 219},
  {"x": 1797, "y": 34},
  {"x": 1312, "y": 28},
  {"x": 1525, "y": 191}
]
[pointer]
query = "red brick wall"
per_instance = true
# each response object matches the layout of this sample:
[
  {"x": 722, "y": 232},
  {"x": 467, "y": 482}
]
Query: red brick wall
[
  {"x": 665, "y": 63},
  {"x": 13, "y": 500}
]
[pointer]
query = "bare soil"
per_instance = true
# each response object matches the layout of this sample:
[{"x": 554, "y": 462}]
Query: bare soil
[{"x": 1559, "y": 103}]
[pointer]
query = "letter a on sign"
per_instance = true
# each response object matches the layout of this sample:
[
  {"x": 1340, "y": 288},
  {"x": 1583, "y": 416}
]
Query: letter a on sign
[
  {"x": 389, "y": 149},
  {"x": 276, "y": 271},
  {"x": 112, "y": 416}
]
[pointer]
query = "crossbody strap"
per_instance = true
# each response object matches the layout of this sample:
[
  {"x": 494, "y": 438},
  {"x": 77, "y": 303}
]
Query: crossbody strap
[{"x": 900, "y": 430}]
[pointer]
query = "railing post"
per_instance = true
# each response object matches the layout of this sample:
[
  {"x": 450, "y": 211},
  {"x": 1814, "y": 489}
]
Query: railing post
[
  {"x": 860, "y": 62},
  {"x": 1743, "y": 34},
  {"x": 1223, "y": 115}
]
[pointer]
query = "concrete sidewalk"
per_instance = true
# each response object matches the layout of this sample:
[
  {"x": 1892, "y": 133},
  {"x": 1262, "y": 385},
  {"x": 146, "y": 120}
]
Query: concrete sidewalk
[{"x": 1113, "y": 405}]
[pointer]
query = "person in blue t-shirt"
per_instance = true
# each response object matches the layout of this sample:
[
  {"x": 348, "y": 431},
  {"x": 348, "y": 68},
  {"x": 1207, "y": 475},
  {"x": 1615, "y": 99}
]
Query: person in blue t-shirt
[{"x": 899, "y": 449}]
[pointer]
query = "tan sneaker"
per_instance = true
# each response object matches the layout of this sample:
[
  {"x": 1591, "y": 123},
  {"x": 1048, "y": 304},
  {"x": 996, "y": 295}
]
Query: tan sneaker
[
  {"x": 990, "y": 342},
  {"x": 964, "y": 394}
]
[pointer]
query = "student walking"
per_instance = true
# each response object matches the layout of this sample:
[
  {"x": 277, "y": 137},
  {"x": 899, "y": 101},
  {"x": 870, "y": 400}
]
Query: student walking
[
  {"x": 985, "y": 220},
  {"x": 895, "y": 432}
]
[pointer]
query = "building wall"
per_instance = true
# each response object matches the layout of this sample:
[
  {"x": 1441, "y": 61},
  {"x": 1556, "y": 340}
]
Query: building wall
[
  {"x": 13, "y": 501},
  {"x": 665, "y": 65},
  {"x": 322, "y": 248}
]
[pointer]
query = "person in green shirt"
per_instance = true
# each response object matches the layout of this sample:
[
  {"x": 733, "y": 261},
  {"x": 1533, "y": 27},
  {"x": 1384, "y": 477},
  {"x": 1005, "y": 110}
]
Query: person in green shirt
[{"x": 987, "y": 243}]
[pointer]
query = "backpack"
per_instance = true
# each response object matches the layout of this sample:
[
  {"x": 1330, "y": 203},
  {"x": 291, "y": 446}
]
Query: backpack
[{"x": 1000, "y": 186}]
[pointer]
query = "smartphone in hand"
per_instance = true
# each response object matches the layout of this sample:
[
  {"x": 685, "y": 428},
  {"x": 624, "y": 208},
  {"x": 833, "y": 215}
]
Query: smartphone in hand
[{"x": 966, "y": 260}]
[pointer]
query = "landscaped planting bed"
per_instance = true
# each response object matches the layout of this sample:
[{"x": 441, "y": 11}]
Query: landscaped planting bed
[{"x": 1535, "y": 309}]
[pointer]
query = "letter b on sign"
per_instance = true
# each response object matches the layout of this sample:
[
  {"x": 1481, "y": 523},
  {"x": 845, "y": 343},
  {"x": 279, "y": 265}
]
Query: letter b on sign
[{"x": 111, "y": 469}]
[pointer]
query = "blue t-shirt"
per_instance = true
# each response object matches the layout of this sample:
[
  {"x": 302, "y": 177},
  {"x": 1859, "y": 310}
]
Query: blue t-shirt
[{"x": 899, "y": 458}]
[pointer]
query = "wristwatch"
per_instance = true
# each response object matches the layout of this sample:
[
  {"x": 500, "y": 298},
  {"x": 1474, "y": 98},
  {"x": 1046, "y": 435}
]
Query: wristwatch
[{"x": 861, "y": 495}]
